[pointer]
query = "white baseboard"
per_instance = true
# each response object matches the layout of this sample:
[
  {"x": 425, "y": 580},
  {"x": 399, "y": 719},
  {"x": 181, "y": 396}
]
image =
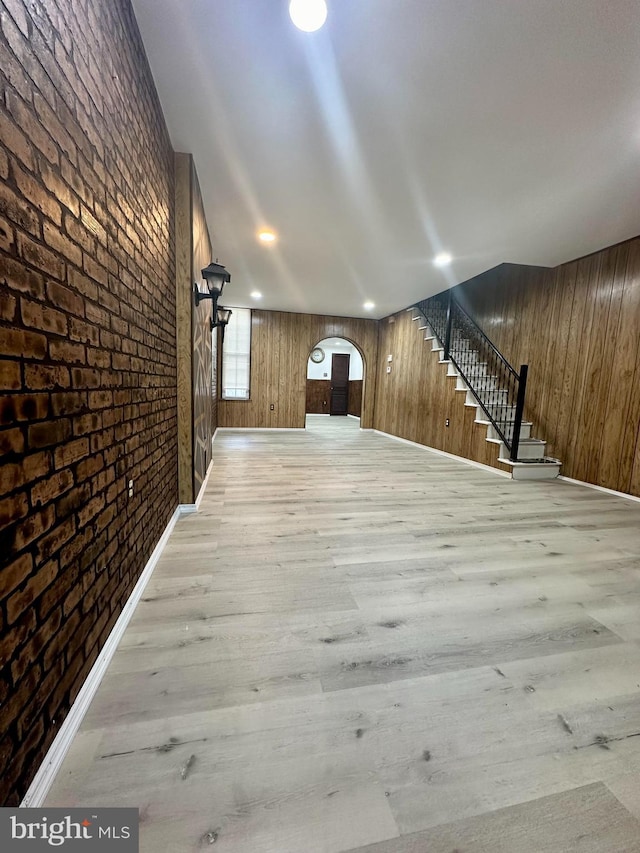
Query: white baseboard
[
  {"x": 39, "y": 788},
  {"x": 466, "y": 461},
  {"x": 355, "y": 417},
  {"x": 599, "y": 488},
  {"x": 188, "y": 509},
  {"x": 260, "y": 429}
]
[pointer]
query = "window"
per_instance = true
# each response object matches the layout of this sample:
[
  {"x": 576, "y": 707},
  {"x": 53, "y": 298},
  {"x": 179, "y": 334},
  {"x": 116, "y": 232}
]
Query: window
[{"x": 236, "y": 356}]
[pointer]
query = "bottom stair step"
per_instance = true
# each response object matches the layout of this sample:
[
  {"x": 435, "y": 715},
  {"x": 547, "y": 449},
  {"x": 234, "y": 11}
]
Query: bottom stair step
[{"x": 547, "y": 469}]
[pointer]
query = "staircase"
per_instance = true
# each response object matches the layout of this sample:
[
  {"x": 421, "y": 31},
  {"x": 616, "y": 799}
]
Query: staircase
[{"x": 491, "y": 385}]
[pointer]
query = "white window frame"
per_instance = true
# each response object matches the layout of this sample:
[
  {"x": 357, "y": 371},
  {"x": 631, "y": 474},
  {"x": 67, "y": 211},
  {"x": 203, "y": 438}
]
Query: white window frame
[{"x": 236, "y": 356}]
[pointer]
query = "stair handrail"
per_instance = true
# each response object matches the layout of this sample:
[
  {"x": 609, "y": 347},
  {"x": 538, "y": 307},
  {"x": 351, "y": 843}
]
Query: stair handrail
[
  {"x": 516, "y": 384},
  {"x": 487, "y": 340}
]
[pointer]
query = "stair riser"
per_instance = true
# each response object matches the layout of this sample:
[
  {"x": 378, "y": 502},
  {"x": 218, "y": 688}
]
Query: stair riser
[
  {"x": 525, "y": 431},
  {"x": 526, "y": 451}
]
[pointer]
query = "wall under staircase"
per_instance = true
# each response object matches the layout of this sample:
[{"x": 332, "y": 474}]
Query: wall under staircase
[{"x": 423, "y": 399}]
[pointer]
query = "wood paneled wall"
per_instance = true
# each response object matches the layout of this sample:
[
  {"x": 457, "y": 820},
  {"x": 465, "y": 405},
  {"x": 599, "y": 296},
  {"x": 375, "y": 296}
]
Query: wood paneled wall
[
  {"x": 355, "y": 397},
  {"x": 280, "y": 347},
  {"x": 578, "y": 328},
  {"x": 318, "y": 396},
  {"x": 203, "y": 401},
  {"x": 195, "y": 411},
  {"x": 417, "y": 397}
]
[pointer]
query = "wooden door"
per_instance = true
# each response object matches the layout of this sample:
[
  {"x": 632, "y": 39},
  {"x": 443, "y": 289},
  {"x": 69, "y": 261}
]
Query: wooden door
[{"x": 339, "y": 385}]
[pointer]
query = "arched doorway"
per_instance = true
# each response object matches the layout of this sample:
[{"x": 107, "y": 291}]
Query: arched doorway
[{"x": 335, "y": 378}]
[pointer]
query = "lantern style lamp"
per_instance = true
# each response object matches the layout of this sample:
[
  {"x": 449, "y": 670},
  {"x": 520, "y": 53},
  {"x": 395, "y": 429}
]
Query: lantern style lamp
[{"x": 215, "y": 276}]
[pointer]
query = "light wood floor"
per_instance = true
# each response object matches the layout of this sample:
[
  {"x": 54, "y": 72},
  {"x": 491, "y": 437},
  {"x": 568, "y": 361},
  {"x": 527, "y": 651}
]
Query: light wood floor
[{"x": 357, "y": 644}]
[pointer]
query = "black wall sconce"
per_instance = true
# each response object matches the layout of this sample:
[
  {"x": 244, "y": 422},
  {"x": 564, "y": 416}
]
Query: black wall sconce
[{"x": 215, "y": 276}]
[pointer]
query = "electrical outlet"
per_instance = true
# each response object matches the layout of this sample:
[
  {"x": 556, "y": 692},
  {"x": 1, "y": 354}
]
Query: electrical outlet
[
  {"x": 272, "y": 407},
  {"x": 389, "y": 368},
  {"x": 446, "y": 422},
  {"x": 130, "y": 487}
]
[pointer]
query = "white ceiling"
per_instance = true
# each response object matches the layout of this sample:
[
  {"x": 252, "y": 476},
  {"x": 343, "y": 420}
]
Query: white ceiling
[{"x": 498, "y": 130}]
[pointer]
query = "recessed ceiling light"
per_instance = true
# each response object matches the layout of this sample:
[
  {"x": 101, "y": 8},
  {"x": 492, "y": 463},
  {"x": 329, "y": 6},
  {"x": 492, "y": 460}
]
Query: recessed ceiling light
[
  {"x": 368, "y": 306},
  {"x": 256, "y": 294},
  {"x": 267, "y": 236},
  {"x": 308, "y": 15},
  {"x": 442, "y": 259}
]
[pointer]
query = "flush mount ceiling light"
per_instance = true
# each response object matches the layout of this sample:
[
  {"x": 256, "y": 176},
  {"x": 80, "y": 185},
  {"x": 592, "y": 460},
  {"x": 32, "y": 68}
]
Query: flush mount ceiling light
[
  {"x": 256, "y": 294},
  {"x": 368, "y": 306},
  {"x": 267, "y": 236},
  {"x": 442, "y": 260},
  {"x": 308, "y": 15}
]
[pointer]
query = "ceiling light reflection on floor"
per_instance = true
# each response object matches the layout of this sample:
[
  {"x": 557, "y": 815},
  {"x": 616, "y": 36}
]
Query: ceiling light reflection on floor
[{"x": 308, "y": 15}]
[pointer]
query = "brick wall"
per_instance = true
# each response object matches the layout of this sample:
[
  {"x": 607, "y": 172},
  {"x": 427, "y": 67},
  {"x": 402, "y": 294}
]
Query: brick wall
[{"x": 87, "y": 339}]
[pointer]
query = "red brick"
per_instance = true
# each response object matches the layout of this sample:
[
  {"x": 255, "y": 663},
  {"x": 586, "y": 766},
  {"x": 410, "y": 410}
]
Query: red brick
[
  {"x": 59, "y": 644},
  {"x": 92, "y": 224},
  {"x": 50, "y": 121},
  {"x": 47, "y": 490},
  {"x": 19, "y": 212},
  {"x": 85, "y": 378},
  {"x": 36, "y": 465},
  {"x": 49, "y": 433},
  {"x": 31, "y": 650},
  {"x": 10, "y": 375},
  {"x": 19, "y": 697},
  {"x": 6, "y": 234},
  {"x": 16, "y": 141},
  {"x": 43, "y": 317},
  {"x": 11, "y": 441},
  {"x": 15, "y": 573},
  {"x": 11, "y": 477},
  {"x": 19, "y": 277},
  {"x": 33, "y": 192},
  {"x": 68, "y": 403},
  {"x": 90, "y": 510},
  {"x": 19, "y": 601},
  {"x": 95, "y": 270},
  {"x": 53, "y": 541},
  {"x": 58, "y": 241},
  {"x": 31, "y": 528},
  {"x": 7, "y": 312},
  {"x": 98, "y": 358},
  {"x": 89, "y": 467},
  {"x": 71, "y": 452},
  {"x": 40, "y": 257},
  {"x": 29, "y": 123},
  {"x": 65, "y": 299},
  {"x": 23, "y": 407},
  {"x": 82, "y": 283},
  {"x": 100, "y": 399},
  {"x": 18, "y": 342},
  {"x": 67, "y": 352},
  {"x": 38, "y": 376},
  {"x": 59, "y": 189},
  {"x": 88, "y": 423},
  {"x": 81, "y": 331},
  {"x": 13, "y": 509}
]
